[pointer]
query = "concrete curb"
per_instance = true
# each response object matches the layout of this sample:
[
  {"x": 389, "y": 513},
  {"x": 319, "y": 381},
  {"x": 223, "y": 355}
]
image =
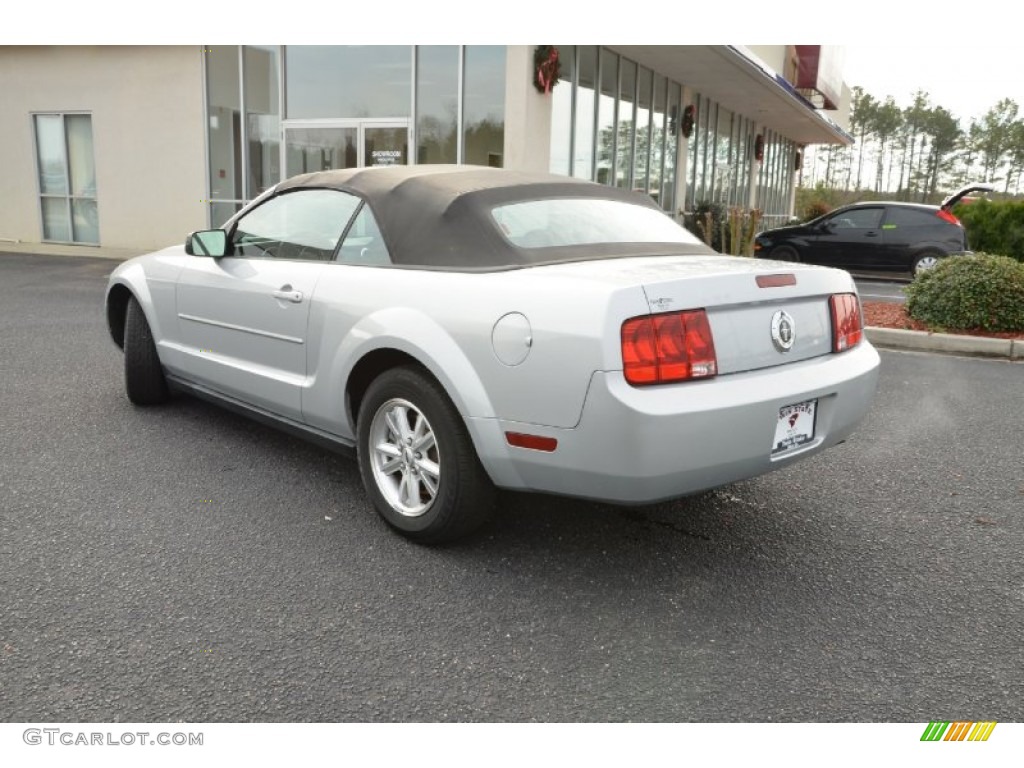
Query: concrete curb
[{"x": 895, "y": 338}]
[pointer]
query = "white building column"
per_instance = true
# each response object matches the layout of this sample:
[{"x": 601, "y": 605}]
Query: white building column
[
  {"x": 683, "y": 152},
  {"x": 527, "y": 114}
]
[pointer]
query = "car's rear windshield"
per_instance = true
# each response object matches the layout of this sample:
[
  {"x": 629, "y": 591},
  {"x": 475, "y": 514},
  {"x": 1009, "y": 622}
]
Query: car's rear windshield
[{"x": 563, "y": 221}]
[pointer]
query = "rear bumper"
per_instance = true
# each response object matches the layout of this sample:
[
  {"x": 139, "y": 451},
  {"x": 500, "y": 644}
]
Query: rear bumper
[{"x": 641, "y": 445}]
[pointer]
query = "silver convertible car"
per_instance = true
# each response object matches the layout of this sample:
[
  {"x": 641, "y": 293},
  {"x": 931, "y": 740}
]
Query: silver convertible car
[{"x": 460, "y": 329}]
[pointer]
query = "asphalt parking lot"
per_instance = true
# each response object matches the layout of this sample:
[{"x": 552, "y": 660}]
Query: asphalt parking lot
[
  {"x": 185, "y": 564},
  {"x": 881, "y": 288}
]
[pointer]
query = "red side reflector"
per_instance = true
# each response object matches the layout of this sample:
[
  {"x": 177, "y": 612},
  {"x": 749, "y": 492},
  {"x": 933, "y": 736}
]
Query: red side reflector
[
  {"x": 775, "y": 281},
  {"x": 946, "y": 215},
  {"x": 675, "y": 346},
  {"x": 533, "y": 442},
  {"x": 847, "y": 324}
]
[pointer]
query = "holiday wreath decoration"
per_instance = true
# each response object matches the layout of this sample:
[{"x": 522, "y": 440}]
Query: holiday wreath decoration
[
  {"x": 547, "y": 69},
  {"x": 689, "y": 115},
  {"x": 759, "y": 147}
]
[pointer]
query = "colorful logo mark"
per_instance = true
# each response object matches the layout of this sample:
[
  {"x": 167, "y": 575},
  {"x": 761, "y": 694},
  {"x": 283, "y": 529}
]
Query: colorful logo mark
[{"x": 958, "y": 731}]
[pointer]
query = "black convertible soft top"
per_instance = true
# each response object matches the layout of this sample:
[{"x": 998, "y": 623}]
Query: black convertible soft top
[{"x": 438, "y": 216}]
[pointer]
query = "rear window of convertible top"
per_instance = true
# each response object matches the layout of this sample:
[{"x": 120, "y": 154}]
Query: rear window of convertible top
[{"x": 584, "y": 221}]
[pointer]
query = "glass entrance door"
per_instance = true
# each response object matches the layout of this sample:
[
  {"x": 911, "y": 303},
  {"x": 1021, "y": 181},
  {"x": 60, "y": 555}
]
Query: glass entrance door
[
  {"x": 385, "y": 145},
  {"x": 309, "y": 149},
  {"x": 325, "y": 146}
]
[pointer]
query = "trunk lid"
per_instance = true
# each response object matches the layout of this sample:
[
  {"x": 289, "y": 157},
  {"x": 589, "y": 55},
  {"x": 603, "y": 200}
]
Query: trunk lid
[
  {"x": 743, "y": 299},
  {"x": 955, "y": 198}
]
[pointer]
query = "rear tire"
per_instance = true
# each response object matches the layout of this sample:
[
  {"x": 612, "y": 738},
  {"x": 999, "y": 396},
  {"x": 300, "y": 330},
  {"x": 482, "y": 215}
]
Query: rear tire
[
  {"x": 143, "y": 375},
  {"x": 417, "y": 460},
  {"x": 785, "y": 253},
  {"x": 924, "y": 262}
]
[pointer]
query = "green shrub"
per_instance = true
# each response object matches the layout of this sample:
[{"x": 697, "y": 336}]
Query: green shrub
[
  {"x": 994, "y": 227},
  {"x": 970, "y": 292}
]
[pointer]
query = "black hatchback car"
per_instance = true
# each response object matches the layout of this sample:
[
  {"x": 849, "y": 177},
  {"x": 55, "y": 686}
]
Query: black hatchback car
[{"x": 873, "y": 236}]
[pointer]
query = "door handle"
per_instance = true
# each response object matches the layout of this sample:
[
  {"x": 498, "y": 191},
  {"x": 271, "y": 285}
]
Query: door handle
[
  {"x": 870, "y": 234},
  {"x": 285, "y": 293}
]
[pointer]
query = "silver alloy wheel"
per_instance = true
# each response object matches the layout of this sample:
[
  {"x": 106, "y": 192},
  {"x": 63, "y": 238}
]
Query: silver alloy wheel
[
  {"x": 925, "y": 262},
  {"x": 404, "y": 457}
]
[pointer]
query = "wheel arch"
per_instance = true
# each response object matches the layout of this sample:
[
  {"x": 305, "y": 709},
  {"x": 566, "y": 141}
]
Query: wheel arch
[
  {"x": 127, "y": 281},
  {"x": 397, "y": 337},
  {"x": 117, "y": 310},
  {"x": 369, "y": 367}
]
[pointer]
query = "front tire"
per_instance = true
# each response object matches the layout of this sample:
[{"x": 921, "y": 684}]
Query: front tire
[
  {"x": 143, "y": 375},
  {"x": 417, "y": 461}
]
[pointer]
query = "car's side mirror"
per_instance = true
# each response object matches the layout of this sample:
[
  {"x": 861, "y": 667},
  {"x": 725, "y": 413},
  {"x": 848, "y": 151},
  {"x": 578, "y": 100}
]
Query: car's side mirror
[{"x": 207, "y": 242}]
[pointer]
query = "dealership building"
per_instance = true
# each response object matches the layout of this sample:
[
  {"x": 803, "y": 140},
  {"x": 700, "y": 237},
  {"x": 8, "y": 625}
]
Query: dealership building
[{"x": 127, "y": 149}]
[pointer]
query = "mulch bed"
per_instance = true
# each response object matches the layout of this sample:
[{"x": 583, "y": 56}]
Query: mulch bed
[{"x": 885, "y": 315}]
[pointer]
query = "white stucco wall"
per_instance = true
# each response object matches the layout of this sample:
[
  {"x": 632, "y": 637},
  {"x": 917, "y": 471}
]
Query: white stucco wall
[
  {"x": 527, "y": 114},
  {"x": 147, "y": 121}
]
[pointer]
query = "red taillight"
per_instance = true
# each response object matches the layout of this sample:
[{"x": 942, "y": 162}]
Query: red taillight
[
  {"x": 657, "y": 349},
  {"x": 946, "y": 215},
  {"x": 847, "y": 325}
]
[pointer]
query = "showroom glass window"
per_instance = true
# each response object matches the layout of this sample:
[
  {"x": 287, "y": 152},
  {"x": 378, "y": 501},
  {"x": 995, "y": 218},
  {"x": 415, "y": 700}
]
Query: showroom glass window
[
  {"x": 623, "y": 122},
  {"x": 642, "y": 141},
  {"x": 483, "y": 107},
  {"x": 437, "y": 103},
  {"x": 67, "y": 178},
  {"x": 561, "y": 112},
  {"x": 262, "y": 117},
  {"x": 625, "y": 131},
  {"x": 668, "y": 189},
  {"x": 224, "y": 130},
  {"x": 350, "y": 81},
  {"x": 609, "y": 77}
]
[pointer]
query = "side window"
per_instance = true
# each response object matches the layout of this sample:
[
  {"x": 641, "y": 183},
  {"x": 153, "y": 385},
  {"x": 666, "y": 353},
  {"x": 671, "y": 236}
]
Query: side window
[
  {"x": 364, "y": 244},
  {"x": 296, "y": 225},
  {"x": 857, "y": 218},
  {"x": 908, "y": 217}
]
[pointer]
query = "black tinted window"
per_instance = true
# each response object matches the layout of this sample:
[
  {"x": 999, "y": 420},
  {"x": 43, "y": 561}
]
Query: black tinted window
[
  {"x": 909, "y": 217},
  {"x": 857, "y": 218}
]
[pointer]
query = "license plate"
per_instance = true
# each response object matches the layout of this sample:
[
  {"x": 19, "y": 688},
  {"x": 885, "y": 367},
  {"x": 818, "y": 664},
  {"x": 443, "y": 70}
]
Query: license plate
[{"x": 795, "y": 426}]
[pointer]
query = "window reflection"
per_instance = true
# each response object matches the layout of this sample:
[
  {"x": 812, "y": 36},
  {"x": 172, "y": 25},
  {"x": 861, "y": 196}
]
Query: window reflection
[
  {"x": 67, "y": 178},
  {"x": 561, "y": 113},
  {"x": 658, "y": 137},
  {"x": 437, "y": 103},
  {"x": 583, "y": 152},
  {"x": 321, "y": 149},
  {"x": 675, "y": 116},
  {"x": 483, "y": 107},
  {"x": 262, "y": 118},
  {"x": 224, "y": 139},
  {"x": 606, "y": 115},
  {"x": 625, "y": 124},
  {"x": 349, "y": 81},
  {"x": 642, "y": 152}
]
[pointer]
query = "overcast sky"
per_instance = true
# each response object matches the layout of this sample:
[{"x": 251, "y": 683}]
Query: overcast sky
[{"x": 966, "y": 80}]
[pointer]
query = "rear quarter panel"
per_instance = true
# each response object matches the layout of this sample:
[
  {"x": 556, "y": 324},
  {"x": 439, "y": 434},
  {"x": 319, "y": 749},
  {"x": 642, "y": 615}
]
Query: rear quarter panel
[{"x": 446, "y": 320}]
